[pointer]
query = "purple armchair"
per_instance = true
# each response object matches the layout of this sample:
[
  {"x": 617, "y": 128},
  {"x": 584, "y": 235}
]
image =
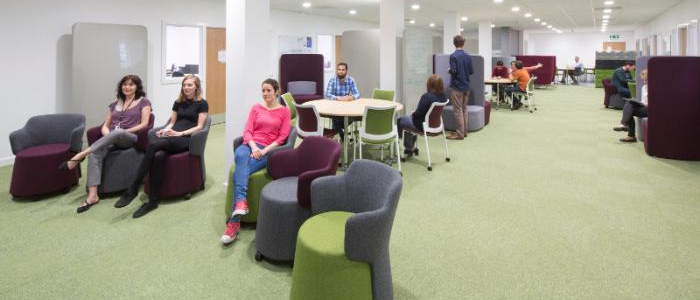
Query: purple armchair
[
  {"x": 184, "y": 172},
  {"x": 612, "y": 98},
  {"x": 671, "y": 128},
  {"x": 545, "y": 75},
  {"x": 40, "y": 146},
  {"x": 286, "y": 202},
  {"x": 302, "y": 76}
]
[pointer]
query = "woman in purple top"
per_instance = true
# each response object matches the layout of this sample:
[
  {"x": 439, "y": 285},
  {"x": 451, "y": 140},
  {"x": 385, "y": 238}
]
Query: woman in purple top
[{"x": 127, "y": 115}]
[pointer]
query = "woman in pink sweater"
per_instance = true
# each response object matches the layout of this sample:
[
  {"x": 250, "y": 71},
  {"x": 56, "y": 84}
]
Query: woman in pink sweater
[{"x": 268, "y": 126}]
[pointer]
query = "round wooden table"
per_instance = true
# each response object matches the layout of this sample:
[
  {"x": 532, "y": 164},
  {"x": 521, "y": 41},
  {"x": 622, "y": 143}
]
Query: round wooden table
[{"x": 349, "y": 109}]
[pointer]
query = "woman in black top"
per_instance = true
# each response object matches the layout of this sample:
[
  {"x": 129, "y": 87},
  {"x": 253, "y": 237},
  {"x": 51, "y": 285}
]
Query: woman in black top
[
  {"x": 415, "y": 120},
  {"x": 188, "y": 116}
]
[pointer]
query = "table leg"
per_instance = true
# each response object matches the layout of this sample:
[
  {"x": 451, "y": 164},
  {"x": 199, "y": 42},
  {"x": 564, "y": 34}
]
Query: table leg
[{"x": 345, "y": 143}]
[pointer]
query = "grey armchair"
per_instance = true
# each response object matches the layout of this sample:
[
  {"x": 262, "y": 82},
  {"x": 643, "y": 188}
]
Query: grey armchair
[
  {"x": 40, "y": 146},
  {"x": 368, "y": 193}
]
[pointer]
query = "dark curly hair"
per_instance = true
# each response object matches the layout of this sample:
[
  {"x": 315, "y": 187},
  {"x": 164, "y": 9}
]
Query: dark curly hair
[{"x": 139, "y": 87}]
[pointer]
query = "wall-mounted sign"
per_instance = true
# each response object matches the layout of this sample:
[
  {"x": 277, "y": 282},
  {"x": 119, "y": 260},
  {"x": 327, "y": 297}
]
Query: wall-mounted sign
[{"x": 614, "y": 37}]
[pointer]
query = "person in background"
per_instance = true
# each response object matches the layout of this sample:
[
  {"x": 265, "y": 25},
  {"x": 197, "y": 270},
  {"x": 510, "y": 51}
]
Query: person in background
[
  {"x": 341, "y": 87},
  {"x": 188, "y": 116},
  {"x": 129, "y": 113},
  {"x": 634, "y": 109},
  {"x": 621, "y": 77},
  {"x": 499, "y": 71},
  {"x": 267, "y": 127},
  {"x": 522, "y": 77},
  {"x": 460, "y": 70},
  {"x": 435, "y": 93},
  {"x": 576, "y": 71}
]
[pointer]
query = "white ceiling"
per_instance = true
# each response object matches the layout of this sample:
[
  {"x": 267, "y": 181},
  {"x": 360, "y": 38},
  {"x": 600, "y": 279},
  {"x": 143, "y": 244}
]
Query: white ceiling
[{"x": 562, "y": 14}]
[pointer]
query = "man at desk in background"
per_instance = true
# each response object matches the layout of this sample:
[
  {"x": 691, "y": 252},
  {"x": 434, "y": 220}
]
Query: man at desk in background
[
  {"x": 576, "y": 71},
  {"x": 621, "y": 77},
  {"x": 341, "y": 87}
]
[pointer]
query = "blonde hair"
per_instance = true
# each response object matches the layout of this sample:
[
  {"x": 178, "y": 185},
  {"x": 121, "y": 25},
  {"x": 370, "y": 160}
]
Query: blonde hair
[{"x": 197, "y": 92}]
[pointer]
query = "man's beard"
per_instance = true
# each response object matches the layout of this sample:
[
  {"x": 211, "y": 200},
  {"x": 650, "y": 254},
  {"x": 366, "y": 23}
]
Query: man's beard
[{"x": 342, "y": 76}]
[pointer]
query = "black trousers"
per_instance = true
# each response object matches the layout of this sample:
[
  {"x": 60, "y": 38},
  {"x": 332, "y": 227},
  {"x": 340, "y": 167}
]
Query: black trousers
[
  {"x": 339, "y": 125},
  {"x": 154, "y": 162},
  {"x": 629, "y": 111}
]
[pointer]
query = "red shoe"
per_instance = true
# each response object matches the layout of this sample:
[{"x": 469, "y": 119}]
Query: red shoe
[
  {"x": 241, "y": 208},
  {"x": 232, "y": 229}
]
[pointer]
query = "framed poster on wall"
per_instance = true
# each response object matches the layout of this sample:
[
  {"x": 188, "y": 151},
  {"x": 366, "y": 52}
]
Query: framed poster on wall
[{"x": 181, "y": 52}]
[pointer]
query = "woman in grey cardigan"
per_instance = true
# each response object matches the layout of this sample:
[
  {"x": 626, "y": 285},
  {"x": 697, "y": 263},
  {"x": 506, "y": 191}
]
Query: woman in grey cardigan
[{"x": 127, "y": 115}]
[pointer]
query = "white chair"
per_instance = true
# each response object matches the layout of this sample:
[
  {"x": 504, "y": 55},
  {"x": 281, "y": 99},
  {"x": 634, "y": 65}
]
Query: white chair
[
  {"x": 528, "y": 95},
  {"x": 309, "y": 122},
  {"x": 432, "y": 126},
  {"x": 378, "y": 128}
]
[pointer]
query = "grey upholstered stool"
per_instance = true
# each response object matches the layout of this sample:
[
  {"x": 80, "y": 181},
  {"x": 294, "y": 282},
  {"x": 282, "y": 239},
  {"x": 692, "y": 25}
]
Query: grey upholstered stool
[
  {"x": 279, "y": 220},
  {"x": 640, "y": 127},
  {"x": 476, "y": 118}
]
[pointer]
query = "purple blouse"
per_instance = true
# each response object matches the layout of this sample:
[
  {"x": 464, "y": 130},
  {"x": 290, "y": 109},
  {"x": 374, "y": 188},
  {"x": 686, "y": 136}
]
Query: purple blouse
[{"x": 129, "y": 117}]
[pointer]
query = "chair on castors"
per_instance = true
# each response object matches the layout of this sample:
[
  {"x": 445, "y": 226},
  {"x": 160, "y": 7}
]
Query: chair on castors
[
  {"x": 120, "y": 165},
  {"x": 309, "y": 122},
  {"x": 184, "y": 172},
  {"x": 527, "y": 96},
  {"x": 383, "y": 94},
  {"x": 379, "y": 128},
  {"x": 432, "y": 126},
  {"x": 343, "y": 250},
  {"x": 40, "y": 147},
  {"x": 256, "y": 181},
  {"x": 285, "y": 202}
]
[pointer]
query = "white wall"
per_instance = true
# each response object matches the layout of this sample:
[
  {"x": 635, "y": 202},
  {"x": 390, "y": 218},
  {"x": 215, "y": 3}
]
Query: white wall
[
  {"x": 36, "y": 51},
  {"x": 40, "y": 52},
  {"x": 566, "y": 46},
  {"x": 683, "y": 12}
]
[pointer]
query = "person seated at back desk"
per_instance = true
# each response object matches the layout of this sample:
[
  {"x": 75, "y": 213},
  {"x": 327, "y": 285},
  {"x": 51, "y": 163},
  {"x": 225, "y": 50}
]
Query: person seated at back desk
[
  {"x": 523, "y": 78},
  {"x": 499, "y": 71},
  {"x": 341, "y": 87},
  {"x": 576, "y": 71},
  {"x": 622, "y": 77}
]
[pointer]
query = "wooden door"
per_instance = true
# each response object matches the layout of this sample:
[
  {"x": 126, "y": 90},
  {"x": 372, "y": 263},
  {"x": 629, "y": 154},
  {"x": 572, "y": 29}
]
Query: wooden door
[
  {"x": 338, "y": 50},
  {"x": 614, "y": 46},
  {"x": 216, "y": 73}
]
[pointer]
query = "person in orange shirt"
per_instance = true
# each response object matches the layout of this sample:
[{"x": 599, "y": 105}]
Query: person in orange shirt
[{"x": 522, "y": 77}]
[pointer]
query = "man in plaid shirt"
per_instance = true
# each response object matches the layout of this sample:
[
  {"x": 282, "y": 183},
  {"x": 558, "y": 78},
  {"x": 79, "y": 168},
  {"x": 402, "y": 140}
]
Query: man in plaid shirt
[{"x": 341, "y": 88}]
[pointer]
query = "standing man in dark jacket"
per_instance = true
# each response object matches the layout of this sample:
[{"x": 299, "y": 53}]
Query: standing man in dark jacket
[
  {"x": 621, "y": 77},
  {"x": 460, "y": 69}
]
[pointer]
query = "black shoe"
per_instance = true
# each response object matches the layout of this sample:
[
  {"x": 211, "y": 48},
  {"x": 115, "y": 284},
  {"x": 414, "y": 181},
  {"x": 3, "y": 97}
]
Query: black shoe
[
  {"x": 125, "y": 199},
  {"x": 144, "y": 209},
  {"x": 85, "y": 207},
  {"x": 629, "y": 139},
  {"x": 621, "y": 128},
  {"x": 517, "y": 106}
]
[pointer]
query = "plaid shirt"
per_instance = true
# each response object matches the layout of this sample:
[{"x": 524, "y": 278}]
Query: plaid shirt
[{"x": 337, "y": 88}]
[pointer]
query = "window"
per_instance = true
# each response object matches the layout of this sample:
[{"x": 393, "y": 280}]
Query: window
[{"x": 182, "y": 52}]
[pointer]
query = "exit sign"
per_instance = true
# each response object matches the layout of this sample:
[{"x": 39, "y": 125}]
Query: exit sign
[{"x": 614, "y": 37}]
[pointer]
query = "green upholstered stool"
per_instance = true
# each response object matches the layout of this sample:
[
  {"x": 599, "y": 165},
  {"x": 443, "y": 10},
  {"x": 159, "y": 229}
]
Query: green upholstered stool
[
  {"x": 255, "y": 185},
  {"x": 633, "y": 89},
  {"x": 321, "y": 269}
]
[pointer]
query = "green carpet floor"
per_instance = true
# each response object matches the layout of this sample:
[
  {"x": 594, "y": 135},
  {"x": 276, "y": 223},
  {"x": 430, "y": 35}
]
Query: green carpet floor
[{"x": 534, "y": 206}]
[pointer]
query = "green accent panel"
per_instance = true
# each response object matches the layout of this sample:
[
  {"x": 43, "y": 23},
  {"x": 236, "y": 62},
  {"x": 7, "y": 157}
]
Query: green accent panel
[
  {"x": 321, "y": 269},
  {"x": 383, "y": 94},
  {"x": 600, "y": 74},
  {"x": 633, "y": 89},
  {"x": 257, "y": 181}
]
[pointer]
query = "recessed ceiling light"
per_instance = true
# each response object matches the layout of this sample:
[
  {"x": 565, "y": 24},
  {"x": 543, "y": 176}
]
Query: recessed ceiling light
[
  {"x": 515, "y": 8},
  {"x": 497, "y": 1},
  {"x": 432, "y": 24},
  {"x": 609, "y": 2},
  {"x": 352, "y": 12},
  {"x": 549, "y": 26},
  {"x": 544, "y": 23},
  {"x": 412, "y": 21},
  {"x": 606, "y": 16},
  {"x": 602, "y": 30},
  {"x": 415, "y": 7},
  {"x": 492, "y": 26},
  {"x": 464, "y": 19},
  {"x": 528, "y": 15},
  {"x": 537, "y": 20},
  {"x": 306, "y": 4},
  {"x": 607, "y": 11}
]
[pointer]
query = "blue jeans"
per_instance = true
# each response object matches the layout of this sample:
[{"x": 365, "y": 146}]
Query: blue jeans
[{"x": 245, "y": 165}]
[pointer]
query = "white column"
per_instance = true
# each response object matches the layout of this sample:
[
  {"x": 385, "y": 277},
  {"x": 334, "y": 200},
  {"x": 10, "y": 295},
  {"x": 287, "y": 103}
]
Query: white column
[
  {"x": 247, "y": 62},
  {"x": 486, "y": 46},
  {"x": 450, "y": 28},
  {"x": 390, "y": 27}
]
